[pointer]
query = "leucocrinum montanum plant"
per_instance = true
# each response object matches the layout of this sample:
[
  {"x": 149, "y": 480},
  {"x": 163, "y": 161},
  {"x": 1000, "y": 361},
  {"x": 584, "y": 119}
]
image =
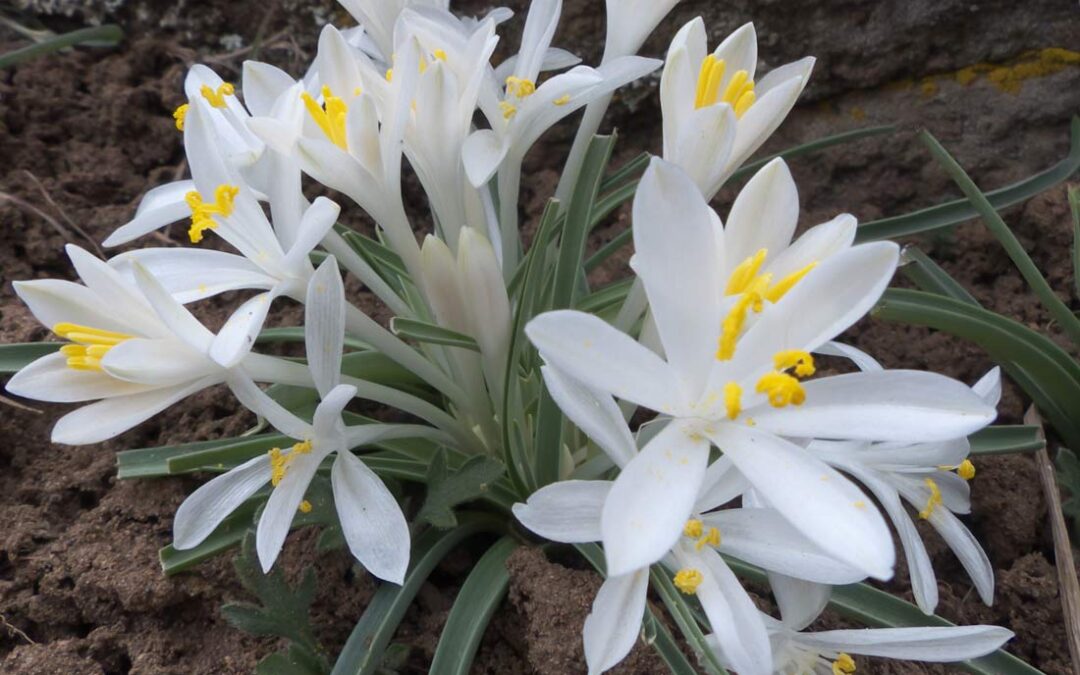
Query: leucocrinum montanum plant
[{"x": 687, "y": 429}]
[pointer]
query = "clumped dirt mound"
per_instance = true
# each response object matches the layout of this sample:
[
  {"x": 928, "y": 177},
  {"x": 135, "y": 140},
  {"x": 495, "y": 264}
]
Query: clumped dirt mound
[{"x": 84, "y": 134}]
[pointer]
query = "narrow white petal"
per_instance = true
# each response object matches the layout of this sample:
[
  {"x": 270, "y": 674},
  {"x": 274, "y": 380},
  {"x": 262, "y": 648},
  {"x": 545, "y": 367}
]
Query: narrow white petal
[
  {"x": 816, "y": 244},
  {"x": 327, "y": 420},
  {"x": 156, "y": 362},
  {"x": 723, "y": 483},
  {"x": 314, "y": 224},
  {"x": 280, "y": 509},
  {"x": 934, "y": 644},
  {"x": 324, "y": 325},
  {"x": 861, "y": 359},
  {"x": 763, "y": 216},
  {"x": 49, "y": 379},
  {"x": 567, "y": 511},
  {"x": 739, "y": 51},
  {"x": 736, "y": 622},
  {"x": 54, "y": 301},
  {"x": 613, "y": 625},
  {"x": 371, "y": 519},
  {"x": 203, "y": 511},
  {"x": 237, "y": 336},
  {"x": 191, "y": 274},
  {"x": 988, "y": 388},
  {"x": 180, "y": 321},
  {"x": 800, "y": 602},
  {"x": 255, "y": 400},
  {"x": 159, "y": 206},
  {"x": 593, "y": 412},
  {"x": 263, "y": 84},
  {"x": 482, "y": 154}
]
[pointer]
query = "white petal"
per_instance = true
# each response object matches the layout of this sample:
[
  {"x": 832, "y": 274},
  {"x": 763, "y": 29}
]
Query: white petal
[
  {"x": 263, "y": 84},
  {"x": 190, "y": 274},
  {"x": 371, "y": 519},
  {"x": 159, "y": 206},
  {"x": 567, "y": 511},
  {"x": 49, "y": 379},
  {"x": 277, "y": 515},
  {"x": 540, "y": 25},
  {"x": 723, "y": 483},
  {"x": 968, "y": 551},
  {"x": 703, "y": 144},
  {"x": 652, "y": 498},
  {"x": 739, "y": 51},
  {"x": 763, "y": 216},
  {"x": 237, "y": 336},
  {"x": 54, "y": 301},
  {"x": 482, "y": 154},
  {"x": 613, "y": 625},
  {"x": 889, "y": 405},
  {"x": 824, "y": 505},
  {"x": 156, "y": 362},
  {"x": 327, "y": 420},
  {"x": 675, "y": 257},
  {"x": 605, "y": 359},
  {"x": 800, "y": 602},
  {"x": 593, "y": 412},
  {"x": 861, "y": 359},
  {"x": 764, "y": 117},
  {"x": 324, "y": 325},
  {"x": 180, "y": 321},
  {"x": 102, "y": 420},
  {"x": 203, "y": 511},
  {"x": 735, "y": 621},
  {"x": 816, "y": 244},
  {"x": 317, "y": 220},
  {"x": 934, "y": 644},
  {"x": 988, "y": 388},
  {"x": 255, "y": 400}
]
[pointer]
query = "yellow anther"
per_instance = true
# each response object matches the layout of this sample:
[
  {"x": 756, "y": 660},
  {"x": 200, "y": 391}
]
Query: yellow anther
[
  {"x": 750, "y": 422},
  {"x": 966, "y": 470},
  {"x": 687, "y": 580},
  {"x": 780, "y": 288},
  {"x": 737, "y": 87},
  {"x": 357, "y": 91},
  {"x": 745, "y": 273},
  {"x": 712, "y": 538},
  {"x": 843, "y": 665},
  {"x": 305, "y": 506},
  {"x": 732, "y": 398},
  {"x": 331, "y": 118},
  {"x": 933, "y": 500},
  {"x": 732, "y": 325},
  {"x": 202, "y": 212},
  {"x": 693, "y": 528},
  {"x": 278, "y": 465},
  {"x": 709, "y": 77},
  {"x": 439, "y": 54},
  {"x": 179, "y": 115},
  {"x": 744, "y": 103},
  {"x": 508, "y": 109},
  {"x": 562, "y": 100},
  {"x": 90, "y": 345},
  {"x": 302, "y": 448},
  {"x": 782, "y": 389},
  {"x": 802, "y": 362},
  {"x": 520, "y": 87},
  {"x": 217, "y": 96},
  {"x": 389, "y": 74}
]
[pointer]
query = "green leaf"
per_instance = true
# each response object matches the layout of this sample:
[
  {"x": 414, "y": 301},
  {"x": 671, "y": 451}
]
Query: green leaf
[
  {"x": 154, "y": 462},
  {"x": 662, "y": 641},
  {"x": 879, "y": 609},
  {"x": 98, "y": 36},
  {"x": 296, "y": 334},
  {"x": 930, "y": 277},
  {"x": 1068, "y": 477},
  {"x": 959, "y": 210},
  {"x": 1005, "y": 439},
  {"x": 364, "y": 650},
  {"x": 476, "y": 602},
  {"x": 283, "y": 611},
  {"x": 445, "y": 490},
  {"x": 293, "y": 661},
  {"x": 1046, "y": 372},
  {"x": 381, "y": 258},
  {"x": 1034, "y": 278},
  {"x": 14, "y": 357},
  {"x": 1074, "y": 208},
  {"x": 422, "y": 331}
]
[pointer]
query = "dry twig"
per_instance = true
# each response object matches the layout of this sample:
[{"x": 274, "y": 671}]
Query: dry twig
[
  {"x": 15, "y": 630},
  {"x": 71, "y": 223}
]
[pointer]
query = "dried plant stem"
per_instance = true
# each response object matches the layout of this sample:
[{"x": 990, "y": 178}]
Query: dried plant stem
[{"x": 1066, "y": 567}]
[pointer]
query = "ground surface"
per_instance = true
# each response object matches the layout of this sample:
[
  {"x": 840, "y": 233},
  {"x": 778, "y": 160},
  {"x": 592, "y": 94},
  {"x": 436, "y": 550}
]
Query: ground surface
[{"x": 82, "y": 135}]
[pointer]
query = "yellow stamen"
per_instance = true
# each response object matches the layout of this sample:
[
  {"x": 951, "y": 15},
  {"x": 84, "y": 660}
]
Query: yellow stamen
[
  {"x": 562, "y": 100},
  {"x": 802, "y": 362},
  {"x": 90, "y": 345},
  {"x": 331, "y": 118},
  {"x": 179, "y": 115},
  {"x": 966, "y": 470},
  {"x": 302, "y": 448},
  {"x": 745, "y": 273},
  {"x": 745, "y": 101},
  {"x": 780, "y": 288},
  {"x": 782, "y": 389},
  {"x": 389, "y": 74},
  {"x": 735, "y": 87},
  {"x": 693, "y": 528},
  {"x": 932, "y": 501},
  {"x": 687, "y": 580},
  {"x": 279, "y": 461},
  {"x": 520, "y": 87},
  {"x": 843, "y": 665},
  {"x": 508, "y": 109},
  {"x": 709, "y": 77},
  {"x": 439, "y": 54},
  {"x": 202, "y": 212},
  {"x": 217, "y": 96},
  {"x": 712, "y": 538},
  {"x": 732, "y": 325},
  {"x": 305, "y": 506},
  {"x": 732, "y": 395}
]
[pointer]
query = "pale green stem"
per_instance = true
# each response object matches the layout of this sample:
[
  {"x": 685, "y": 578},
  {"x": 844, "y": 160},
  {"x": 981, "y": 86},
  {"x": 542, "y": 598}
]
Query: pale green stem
[
  {"x": 590, "y": 124},
  {"x": 509, "y": 192},
  {"x": 352, "y": 261}
]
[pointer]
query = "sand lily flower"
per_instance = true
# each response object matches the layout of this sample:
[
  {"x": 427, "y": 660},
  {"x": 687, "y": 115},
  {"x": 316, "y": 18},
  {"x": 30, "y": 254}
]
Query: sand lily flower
[
  {"x": 933, "y": 479},
  {"x": 131, "y": 345},
  {"x": 371, "y": 520},
  {"x": 743, "y": 390},
  {"x": 630, "y": 22},
  {"x": 571, "y": 512},
  {"x": 379, "y": 18},
  {"x": 830, "y": 652},
  {"x": 715, "y": 114}
]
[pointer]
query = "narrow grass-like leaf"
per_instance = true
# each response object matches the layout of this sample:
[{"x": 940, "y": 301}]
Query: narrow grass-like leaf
[
  {"x": 363, "y": 652},
  {"x": 1005, "y": 439},
  {"x": 1034, "y": 278},
  {"x": 296, "y": 334},
  {"x": 422, "y": 331},
  {"x": 603, "y": 298},
  {"x": 14, "y": 357},
  {"x": 631, "y": 170},
  {"x": 929, "y": 276},
  {"x": 476, "y": 602},
  {"x": 957, "y": 211},
  {"x": 99, "y": 36},
  {"x": 661, "y": 641},
  {"x": 813, "y": 147},
  {"x": 154, "y": 462},
  {"x": 1074, "y": 208}
]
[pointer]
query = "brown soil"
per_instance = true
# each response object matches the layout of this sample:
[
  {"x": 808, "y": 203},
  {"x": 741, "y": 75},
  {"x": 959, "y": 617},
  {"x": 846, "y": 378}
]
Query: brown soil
[{"x": 83, "y": 134}]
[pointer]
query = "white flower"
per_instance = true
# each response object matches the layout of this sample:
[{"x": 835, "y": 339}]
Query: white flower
[
  {"x": 932, "y": 478},
  {"x": 132, "y": 346},
  {"x": 571, "y": 512},
  {"x": 715, "y": 114},
  {"x": 378, "y": 18},
  {"x": 371, "y": 520},
  {"x": 829, "y": 652},
  {"x": 630, "y": 22},
  {"x": 740, "y": 387}
]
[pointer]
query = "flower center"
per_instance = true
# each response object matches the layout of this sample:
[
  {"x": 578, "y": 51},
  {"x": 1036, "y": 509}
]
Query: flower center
[
  {"x": 216, "y": 97},
  {"x": 843, "y": 665},
  {"x": 695, "y": 529},
  {"x": 202, "y": 212},
  {"x": 180, "y": 114},
  {"x": 520, "y": 87},
  {"x": 739, "y": 93},
  {"x": 330, "y": 117},
  {"x": 280, "y": 461},
  {"x": 688, "y": 579},
  {"x": 89, "y": 345},
  {"x": 933, "y": 501}
]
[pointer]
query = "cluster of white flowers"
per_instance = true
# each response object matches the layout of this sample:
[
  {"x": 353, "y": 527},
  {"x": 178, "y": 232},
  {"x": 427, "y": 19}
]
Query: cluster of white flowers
[{"x": 748, "y": 454}]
